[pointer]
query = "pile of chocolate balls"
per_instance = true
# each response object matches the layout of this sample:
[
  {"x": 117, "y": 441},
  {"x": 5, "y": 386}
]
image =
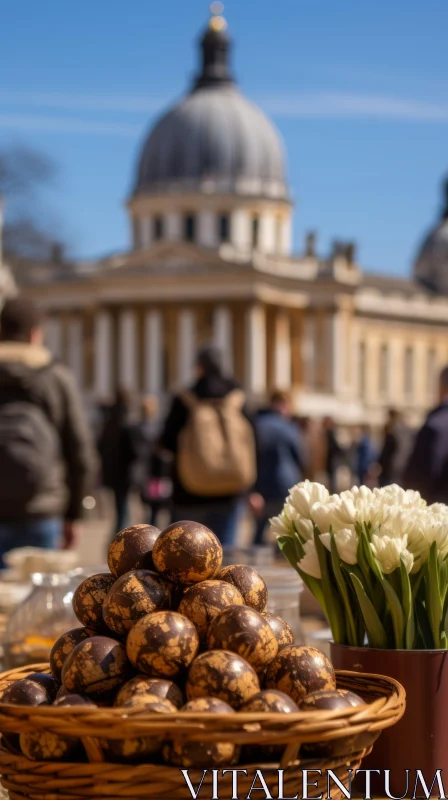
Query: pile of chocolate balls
[{"x": 168, "y": 630}]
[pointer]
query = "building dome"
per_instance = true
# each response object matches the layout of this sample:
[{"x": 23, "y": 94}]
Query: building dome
[
  {"x": 431, "y": 265},
  {"x": 214, "y": 141}
]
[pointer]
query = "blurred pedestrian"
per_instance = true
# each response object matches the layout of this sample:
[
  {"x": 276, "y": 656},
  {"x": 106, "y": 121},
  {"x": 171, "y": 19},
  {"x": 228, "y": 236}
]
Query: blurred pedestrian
[
  {"x": 280, "y": 460},
  {"x": 396, "y": 449},
  {"x": 152, "y": 473},
  {"x": 118, "y": 452},
  {"x": 334, "y": 453},
  {"x": 212, "y": 439},
  {"x": 47, "y": 458},
  {"x": 364, "y": 454},
  {"x": 427, "y": 468}
]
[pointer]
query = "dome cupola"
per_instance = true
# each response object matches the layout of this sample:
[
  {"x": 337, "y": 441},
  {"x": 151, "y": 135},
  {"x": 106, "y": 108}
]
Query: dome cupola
[{"x": 431, "y": 264}]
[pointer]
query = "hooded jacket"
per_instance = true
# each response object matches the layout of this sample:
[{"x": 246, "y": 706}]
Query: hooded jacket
[{"x": 30, "y": 368}]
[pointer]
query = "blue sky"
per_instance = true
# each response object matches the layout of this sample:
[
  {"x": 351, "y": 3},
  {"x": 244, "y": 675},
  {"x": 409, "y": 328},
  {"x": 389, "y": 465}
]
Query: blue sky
[{"x": 358, "y": 90}]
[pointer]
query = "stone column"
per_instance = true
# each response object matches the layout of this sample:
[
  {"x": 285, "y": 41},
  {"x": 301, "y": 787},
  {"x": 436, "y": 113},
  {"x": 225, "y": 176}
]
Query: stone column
[
  {"x": 186, "y": 343},
  {"x": 207, "y": 229},
  {"x": 154, "y": 353},
  {"x": 223, "y": 336},
  {"x": 127, "y": 351},
  {"x": 102, "y": 357},
  {"x": 282, "y": 352},
  {"x": 256, "y": 351},
  {"x": 53, "y": 336},
  {"x": 309, "y": 351},
  {"x": 75, "y": 349}
]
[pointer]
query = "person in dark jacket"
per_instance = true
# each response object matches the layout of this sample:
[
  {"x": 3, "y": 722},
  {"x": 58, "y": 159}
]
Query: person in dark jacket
[
  {"x": 118, "y": 452},
  {"x": 396, "y": 449},
  {"x": 280, "y": 460},
  {"x": 220, "y": 514},
  {"x": 427, "y": 468},
  {"x": 153, "y": 468},
  {"x": 47, "y": 459},
  {"x": 334, "y": 453}
]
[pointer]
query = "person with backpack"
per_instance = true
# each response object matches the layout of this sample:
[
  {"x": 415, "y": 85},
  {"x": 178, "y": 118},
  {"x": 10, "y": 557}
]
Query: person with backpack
[
  {"x": 213, "y": 441},
  {"x": 47, "y": 459}
]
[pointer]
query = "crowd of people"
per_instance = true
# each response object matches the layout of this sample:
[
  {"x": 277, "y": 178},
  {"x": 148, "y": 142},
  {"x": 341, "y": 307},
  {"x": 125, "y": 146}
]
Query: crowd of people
[{"x": 209, "y": 457}]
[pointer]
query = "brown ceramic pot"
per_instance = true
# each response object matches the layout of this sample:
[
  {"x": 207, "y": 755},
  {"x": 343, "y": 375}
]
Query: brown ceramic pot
[{"x": 420, "y": 739}]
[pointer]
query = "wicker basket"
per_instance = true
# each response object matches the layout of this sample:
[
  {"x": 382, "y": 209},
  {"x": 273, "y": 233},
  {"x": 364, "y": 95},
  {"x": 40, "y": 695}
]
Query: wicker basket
[{"x": 359, "y": 726}]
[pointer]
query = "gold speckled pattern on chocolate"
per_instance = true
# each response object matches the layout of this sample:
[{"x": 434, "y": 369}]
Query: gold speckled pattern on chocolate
[
  {"x": 248, "y": 582},
  {"x": 219, "y": 673},
  {"x": 244, "y": 631},
  {"x": 46, "y": 746},
  {"x": 297, "y": 671},
  {"x": 138, "y": 748},
  {"x": 270, "y": 700},
  {"x": 280, "y": 629},
  {"x": 132, "y": 597},
  {"x": 201, "y": 755},
  {"x": 132, "y": 549},
  {"x": 95, "y": 666},
  {"x": 162, "y": 644},
  {"x": 88, "y": 600},
  {"x": 141, "y": 686},
  {"x": 204, "y": 601},
  {"x": 187, "y": 552},
  {"x": 64, "y": 646}
]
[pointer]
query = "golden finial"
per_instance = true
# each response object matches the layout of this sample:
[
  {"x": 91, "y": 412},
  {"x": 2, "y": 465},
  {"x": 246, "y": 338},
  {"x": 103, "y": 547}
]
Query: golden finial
[{"x": 217, "y": 21}]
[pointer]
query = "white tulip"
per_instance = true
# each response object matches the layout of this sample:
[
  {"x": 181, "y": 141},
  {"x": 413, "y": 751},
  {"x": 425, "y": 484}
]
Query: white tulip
[
  {"x": 304, "y": 495},
  {"x": 310, "y": 561},
  {"x": 281, "y": 526},
  {"x": 390, "y": 552},
  {"x": 304, "y": 528},
  {"x": 395, "y": 495},
  {"x": 346, "y": 541},
  {"x": 336, "y": 514},
  {"x": 436, "y": 530}
]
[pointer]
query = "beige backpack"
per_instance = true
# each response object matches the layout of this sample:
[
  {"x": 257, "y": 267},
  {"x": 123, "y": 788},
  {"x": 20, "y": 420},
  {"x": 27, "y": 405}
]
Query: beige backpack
[{"x": 216, "y": 453}]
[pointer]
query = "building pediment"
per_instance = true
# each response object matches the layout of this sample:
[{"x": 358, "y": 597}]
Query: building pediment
[{"x": 173, "y": 257}]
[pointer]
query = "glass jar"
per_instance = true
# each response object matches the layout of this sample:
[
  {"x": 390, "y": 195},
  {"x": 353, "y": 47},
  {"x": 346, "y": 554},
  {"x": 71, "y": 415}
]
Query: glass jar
[{"x": 41, "y": 619}]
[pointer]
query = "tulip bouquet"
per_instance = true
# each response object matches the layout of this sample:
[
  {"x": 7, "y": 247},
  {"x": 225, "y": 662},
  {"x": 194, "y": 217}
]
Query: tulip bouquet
[{"x": 376, "y": 561}]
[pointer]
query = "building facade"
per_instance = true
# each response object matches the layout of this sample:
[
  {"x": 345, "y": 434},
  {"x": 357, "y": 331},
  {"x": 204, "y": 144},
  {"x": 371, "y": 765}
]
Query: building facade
[{"x": 211, "y": 260}]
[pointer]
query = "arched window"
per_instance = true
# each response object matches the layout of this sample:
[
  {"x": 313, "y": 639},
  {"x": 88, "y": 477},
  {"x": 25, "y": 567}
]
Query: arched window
[
  {"x": 158, "y": 228},
  {"x": 224, "y": 228},
  {"x": 384, "y": 371},
  {"x": 362, "y": 370},
  {"x": 409, "y": 374},
  {"x": 190, "y": 227}
]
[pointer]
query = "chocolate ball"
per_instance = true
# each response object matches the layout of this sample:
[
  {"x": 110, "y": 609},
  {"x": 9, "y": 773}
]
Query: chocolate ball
[
  {"x": 88, "y": 601},
  {"x": 280, "y": 629},
  {"x": 141, "y": 686},
  {"x": 202, "y": 602},
  {"x": 244, "y": 631},
  {"x": 187, "y": 552},
  {"x": 48, "y": 683},
  {"x": 297, "y": 671},
  {"x": 132, "y": 597},
  {"x": 95, "y": 667},
  {"x": 162, "y": 644},
  {"x": 64, "y": 646},
  {"x": 273, "y": 702},
  {"x": 201, "y": 755},
  {"x": 73, "y": 700},
  {"x": 220, "y": 673},
  {"x": 48, "y": 746},
  {"x": 132, "y": 549},
  {"x": 248, "y": 582},
  {"x": 25, "y": 693},
  {"x": 138, "y": 748},
  {"x": 328, "y": 701}
]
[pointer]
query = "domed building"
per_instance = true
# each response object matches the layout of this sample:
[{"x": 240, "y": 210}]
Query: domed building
[{"x": 211, "y": 260}]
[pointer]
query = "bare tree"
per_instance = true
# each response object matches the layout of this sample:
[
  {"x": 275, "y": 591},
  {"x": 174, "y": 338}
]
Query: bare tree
[{"x": 28, "y": 234}]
